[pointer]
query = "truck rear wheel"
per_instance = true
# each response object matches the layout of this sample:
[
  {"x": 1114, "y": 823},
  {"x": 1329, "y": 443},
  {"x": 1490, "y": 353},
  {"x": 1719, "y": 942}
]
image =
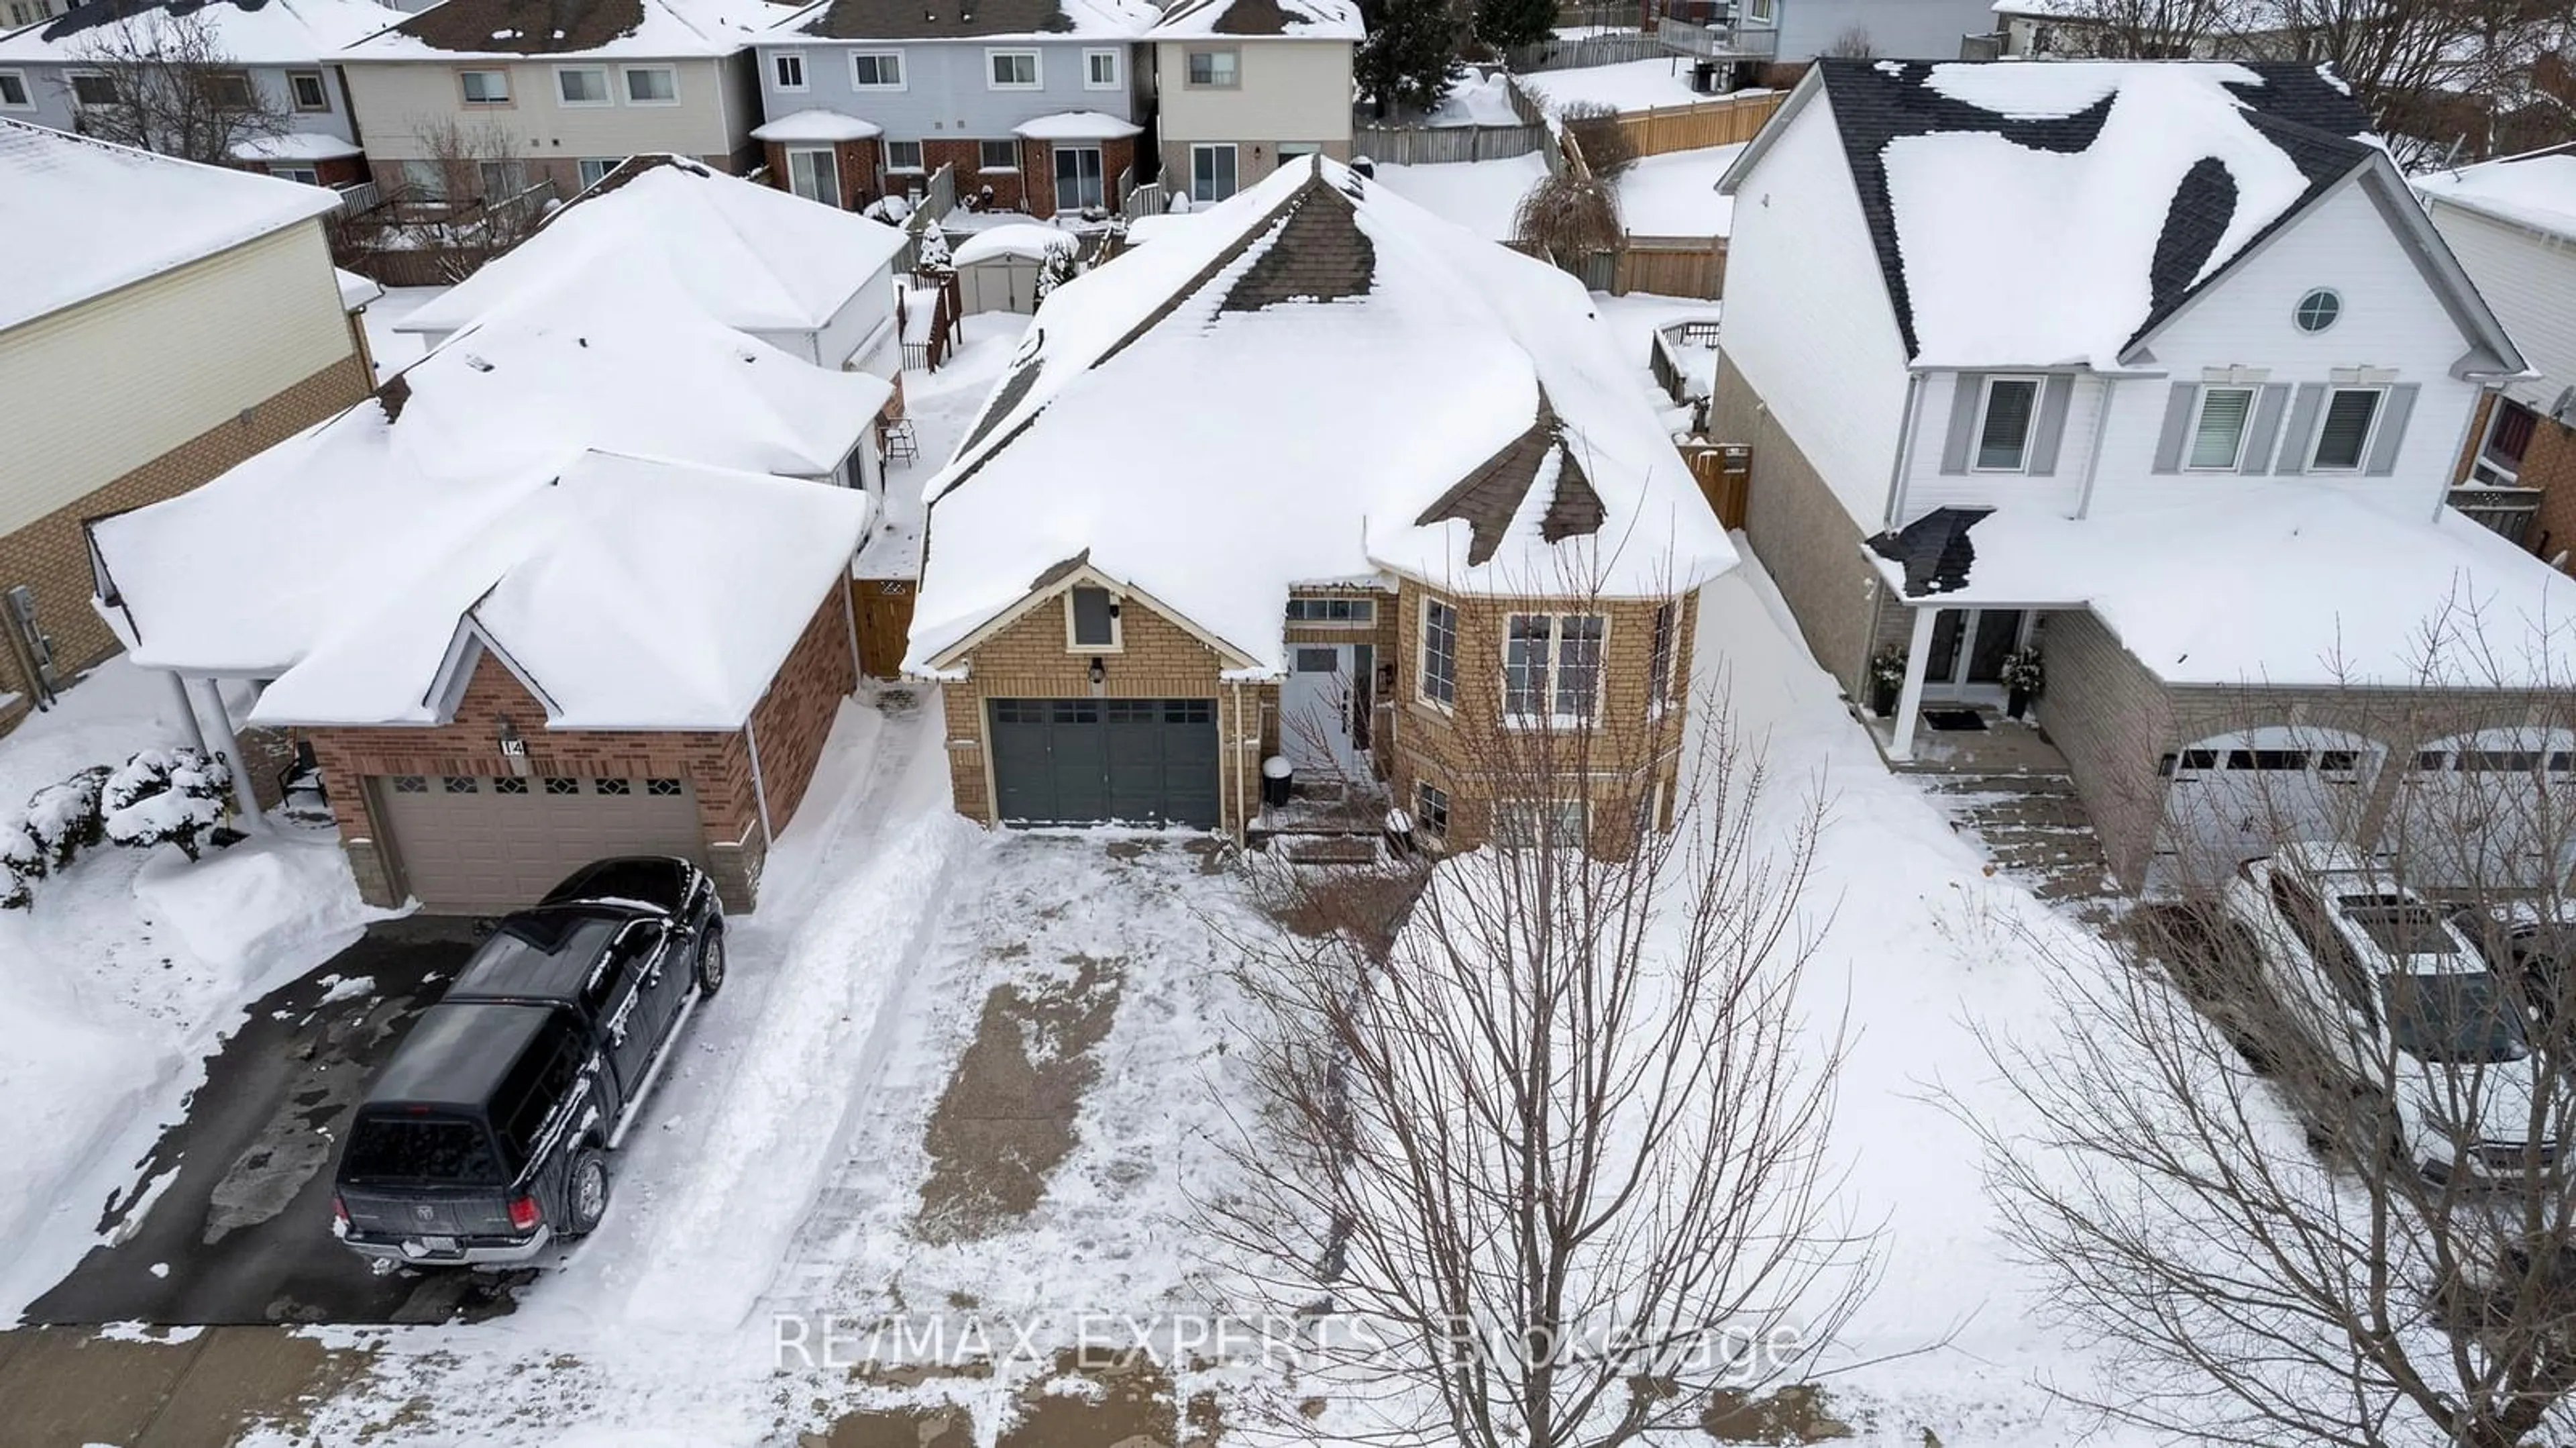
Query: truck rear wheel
[
  {"x": 585, "y": 1193},
  {"x": 711, "y": 963}
]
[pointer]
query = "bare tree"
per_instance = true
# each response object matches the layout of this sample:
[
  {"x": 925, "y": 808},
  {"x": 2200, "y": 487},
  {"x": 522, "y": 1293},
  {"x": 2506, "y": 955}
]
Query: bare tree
[
  {"x": 1595, "y": 128},
  {"x": 2424, "y": 69},
  {"x": 469, "y": 199},
  {"x": 162, "y": 81},
  {"x": 2299, "y": 1158},
  {"x": 1568, "y": 215},
  {"x": 1540, "y": 1146},
  {"x": 2138, "y": 29},
  {"x": 1853, "y": 44}
]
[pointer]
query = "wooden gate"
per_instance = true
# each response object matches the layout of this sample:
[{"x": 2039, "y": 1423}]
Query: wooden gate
[
  {"x": 1725, "y": 475},
  {"x": 884, "y": 610}
]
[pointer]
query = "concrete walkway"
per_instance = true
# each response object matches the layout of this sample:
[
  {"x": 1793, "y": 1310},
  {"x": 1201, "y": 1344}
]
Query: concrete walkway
[{"x": 68, "y": 1388}]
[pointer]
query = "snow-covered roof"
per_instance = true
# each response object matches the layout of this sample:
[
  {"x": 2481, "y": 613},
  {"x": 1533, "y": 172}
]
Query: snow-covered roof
[
  {"x": 2537, "y": 190},
  {"x": 816, "y": 123},
  {"x": 1020, "y": 238},
  {"x": 621, "y": 358},
  {"x": 2304, "y": 585},
  {"x": 1330, "y": 383},
  {"x": 355, "y": 291},
  {"x": 755, "y": 257},
  {"x": 248, "y": 32},
  {"x": 1256, "y": 19},
  {"x": 501, "y": 29},
  {"x": 296, "y": 146},
  {"x": 970, "y": 20},
  {"x": 627, "y": 593},
  {"x": 80, "y": 217},
  {"x": 2038, "y": 214},
  {"x": 1076, "y": 126}
]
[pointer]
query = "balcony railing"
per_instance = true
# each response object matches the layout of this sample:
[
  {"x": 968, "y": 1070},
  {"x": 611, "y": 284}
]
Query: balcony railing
[{"x": 1710, "y": 30}]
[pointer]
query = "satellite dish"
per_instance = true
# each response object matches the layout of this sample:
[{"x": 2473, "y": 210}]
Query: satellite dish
[{"x": 2558, "y": 410}]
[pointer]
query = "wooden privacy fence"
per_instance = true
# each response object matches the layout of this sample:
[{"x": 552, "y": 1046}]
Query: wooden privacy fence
[
  {"x": 1724, "y": 472},
  {"x": 882, "y": 610},
  {"x": 1443, "y": 145},
  {"x": 1672, "y": 266},
  {"x": 1721, "y": 122},
  {"x": 1585, "y": 51}
]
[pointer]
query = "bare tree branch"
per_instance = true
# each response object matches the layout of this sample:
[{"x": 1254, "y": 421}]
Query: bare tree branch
[{"x": 162, "y": 81}]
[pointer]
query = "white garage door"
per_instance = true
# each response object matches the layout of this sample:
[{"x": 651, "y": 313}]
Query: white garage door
[
  {"x": 482, "y": 846},
  {"x": 2491, "y": 809},
  {"x": 2233, "y": 797}
]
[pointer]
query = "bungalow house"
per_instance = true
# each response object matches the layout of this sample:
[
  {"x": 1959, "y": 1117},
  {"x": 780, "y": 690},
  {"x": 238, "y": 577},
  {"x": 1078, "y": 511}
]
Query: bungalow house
[
  {"x": 1247, "y": 86},
  {"x": 496, "y": 96},
  {"x": 816, "y": 284},
  {"x": 272, "y": 60},
  {"x": 574, "y": 584},
  {"x": 2158, "y": 369},
  {"x": 161, "y": 321},
  {"x": 2512, "y": 224},
  {"x": 1034, "y": 104},
  {"x": 1400, "y": 517}
]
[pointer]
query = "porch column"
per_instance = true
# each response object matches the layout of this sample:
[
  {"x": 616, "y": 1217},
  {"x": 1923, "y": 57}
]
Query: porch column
[
  {"x": 188, "y": 720},
  {"x": 1909, "y": 704},
  {"x": 210, "y": 698}
]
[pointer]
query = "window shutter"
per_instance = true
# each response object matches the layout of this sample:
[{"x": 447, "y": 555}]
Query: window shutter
[
  {"x": 2266, "y": 427},
  {"x": 2392, "y": 430},
  {"x": 1967, "y": 389},
  {"x": 2177, "y": 422},
  {"x": 2302, "y": 429},
  {"x": 2052, "y": 425}
]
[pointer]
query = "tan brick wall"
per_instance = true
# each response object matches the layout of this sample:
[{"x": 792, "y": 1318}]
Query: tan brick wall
[
  {"x": 1158, "y": 659},
  {"x": 51, "y": 555},
  {"x": 2549, "y": 464},
  {"x": 2112, "y": 720},
  {"x": 968, "y": 157},
  {"x": 1806, "y": 540},
  {"x": 1037, "y": 171},
  {"x": 794, "y": 718},
  {"x": 1632, "y": 753}
]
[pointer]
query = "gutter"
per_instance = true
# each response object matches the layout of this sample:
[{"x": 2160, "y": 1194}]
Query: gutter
[{"x": 1904, "y": 448}]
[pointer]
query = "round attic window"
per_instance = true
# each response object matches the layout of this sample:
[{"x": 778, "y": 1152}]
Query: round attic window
[{"x": 2317, "y": 310}]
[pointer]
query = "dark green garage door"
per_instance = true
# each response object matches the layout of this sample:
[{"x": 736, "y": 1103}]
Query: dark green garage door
[{"x": 1084, "y": 761}]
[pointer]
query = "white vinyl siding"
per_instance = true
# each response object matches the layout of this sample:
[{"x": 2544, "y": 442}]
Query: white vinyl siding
[
  {"x": 178, "y": 339},
  {"x": 399, "y": 107}
]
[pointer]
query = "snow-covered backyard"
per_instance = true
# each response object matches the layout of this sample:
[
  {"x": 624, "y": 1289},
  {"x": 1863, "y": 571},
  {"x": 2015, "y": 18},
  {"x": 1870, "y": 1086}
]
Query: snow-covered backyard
[
  {"x": 1630, "y": 85},
  {"x": 1675, "y": 194},
  {"x": 1481, "y": 196}
]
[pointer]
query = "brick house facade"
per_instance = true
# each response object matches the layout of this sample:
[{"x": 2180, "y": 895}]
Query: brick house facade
[
  {"x": 1037, "y": 168},
  {"x": 2548, "y": 463},
  {"x": 858, "y": 164},
  {"x": 51, "y": 555},
  {"x": 788, "y": 728}
]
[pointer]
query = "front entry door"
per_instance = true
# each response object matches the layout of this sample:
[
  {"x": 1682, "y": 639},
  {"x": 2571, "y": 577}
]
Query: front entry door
[
  {"x": 1968, "y": 650},
  {"x": 1077, "y": 178},
  {"x": 1316, "y": 707}
]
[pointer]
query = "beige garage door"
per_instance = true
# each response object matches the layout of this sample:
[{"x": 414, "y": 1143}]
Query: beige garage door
[{"x": 475, "y": 846}]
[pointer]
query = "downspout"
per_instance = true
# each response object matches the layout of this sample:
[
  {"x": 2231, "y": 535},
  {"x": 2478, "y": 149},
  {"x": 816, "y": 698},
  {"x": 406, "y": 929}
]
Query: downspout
[
  {"x": 759, "y": 790},
  {"x": 850, "y": 621},
  {"x": 1904, "y": 449},
  {"x": 2093, "y": 452}
]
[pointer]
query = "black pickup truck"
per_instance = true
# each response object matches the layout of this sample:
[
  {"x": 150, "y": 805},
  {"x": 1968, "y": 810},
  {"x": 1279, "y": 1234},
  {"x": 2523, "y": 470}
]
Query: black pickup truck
[{"x": 487, "y": 1135}]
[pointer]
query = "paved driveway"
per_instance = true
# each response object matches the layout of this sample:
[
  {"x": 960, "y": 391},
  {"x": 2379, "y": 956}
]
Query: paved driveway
[{"x": 230, "y": 1217}]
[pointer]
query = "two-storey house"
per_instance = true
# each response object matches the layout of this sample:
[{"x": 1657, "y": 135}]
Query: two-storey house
[
  {"x": 1248, "y": 86},
  {"x": 274, "y": 62},
  {"x": 2512, "y": 223},
  {"x": 1035, "y": 105},
  {"x": 509, "y": 93},
  {"x": 161, "y": 322},
  {"x": 1406, "y": 523},
  {"x": 2155, "y": 368}
]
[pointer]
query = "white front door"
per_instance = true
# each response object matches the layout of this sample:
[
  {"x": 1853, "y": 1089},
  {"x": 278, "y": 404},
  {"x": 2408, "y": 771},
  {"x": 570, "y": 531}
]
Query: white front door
[{"x": 1316, "y": 707}]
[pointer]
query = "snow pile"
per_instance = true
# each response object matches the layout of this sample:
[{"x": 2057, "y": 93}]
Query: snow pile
[
  {"x": 815, "y": 123},
  {"x": 296, "y": 146},
  {"x": 1076, "y": 126},
  {"x": 254, "y": 902},
  {"x": 1675, "y": 194},
  {"x": 1479, "y": 100},
  {"x": 1021, "y": 239},
  {"x": 1482, "y": 196}
]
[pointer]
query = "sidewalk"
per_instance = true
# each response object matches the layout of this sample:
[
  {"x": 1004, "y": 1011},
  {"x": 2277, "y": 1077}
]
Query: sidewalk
[{"x": 71, "y": 1387}]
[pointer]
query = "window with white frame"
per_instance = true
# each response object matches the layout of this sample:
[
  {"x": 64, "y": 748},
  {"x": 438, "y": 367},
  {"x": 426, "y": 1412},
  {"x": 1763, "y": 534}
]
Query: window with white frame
[
  {"x": 652, "y": 85},
  {"x": 811, "y": 174},
  {"x": 1431, "y": 809},
  {"x": 228, "y": 90},
  {"x": 308, "y": 92},
  {"x": 1336, "y": 610},
  {"x": 1090, "y": 619},
  {"x": 903, "y": 155},
  {"x": 997, "y": 155},
  {"x": 787, "y": 70},
  {"x": 595, "y": 169},
  {"x": 1213, "y": 69},
  {"x": 484, "y": 87},
  {"x": 92, "y": 88},
  {"x": 1540, "y": 823},
  {"x": 1439, "y": 652},
  {"x": 1552, "y": 666},
  {"x": 1100, "y": 70},
  {"x": 1659, "y": 663},
  {"x": 2218, "y": 429},
  {"x": 1011, "y": 69},
  {"x": 2343, "y": 439},
  {"x": 308, "y": 175},
  {"x": 2005, "y": 416},
  {"x": 583, "y": 85},
  {"x": 1760, "y": 12},
  {"x": 500, "y": 179},
  {"x": 1212, "y": 172},
  {"x": 14, "y": 95},
  {"x": 877, "y": 69}
]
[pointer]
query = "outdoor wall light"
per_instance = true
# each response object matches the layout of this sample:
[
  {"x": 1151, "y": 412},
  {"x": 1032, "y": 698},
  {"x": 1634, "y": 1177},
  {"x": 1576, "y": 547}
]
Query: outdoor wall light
[{"x": 1099, "y": 673}]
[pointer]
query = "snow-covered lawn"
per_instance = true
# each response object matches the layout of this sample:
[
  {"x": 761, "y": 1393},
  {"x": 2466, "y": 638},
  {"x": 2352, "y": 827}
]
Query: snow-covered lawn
[
  {"x": 393, "y": 351},
  {"x": 1478, "y": 195},
  {"x": 124, "y": 975},
  {"x": 1675, "y": 194},
  {"x": 1631, "y": 85}
]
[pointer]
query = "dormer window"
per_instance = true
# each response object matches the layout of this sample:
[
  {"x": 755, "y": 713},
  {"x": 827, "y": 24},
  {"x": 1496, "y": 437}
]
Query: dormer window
[
  {"x": 2004, "y": 422},
  {"x": 1091, "y": 620}
]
